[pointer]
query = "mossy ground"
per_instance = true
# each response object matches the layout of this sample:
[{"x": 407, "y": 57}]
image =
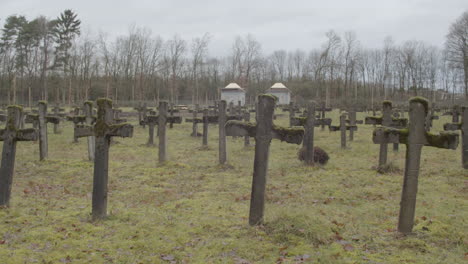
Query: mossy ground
[{"x": 191, "y": 210}]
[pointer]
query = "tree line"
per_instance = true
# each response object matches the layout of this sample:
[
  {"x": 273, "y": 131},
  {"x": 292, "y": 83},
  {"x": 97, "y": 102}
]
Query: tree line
[{"x": 50, "y": 59}]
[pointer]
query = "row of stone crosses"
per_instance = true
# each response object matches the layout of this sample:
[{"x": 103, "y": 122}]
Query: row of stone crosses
[{"x": 99, "y": 130}]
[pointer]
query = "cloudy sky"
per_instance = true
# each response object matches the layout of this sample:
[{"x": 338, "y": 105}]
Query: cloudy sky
[{"x": 286, "y": 24}]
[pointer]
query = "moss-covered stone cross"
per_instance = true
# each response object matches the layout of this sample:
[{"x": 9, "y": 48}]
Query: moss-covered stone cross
[
  {"x": 10, "y": 135},
  {"x": 386, "y": 120},
  {"x": 415, "y": 137},
  {"x": 463, "y": 127},
  {"x": 343, "y": 128},
  {"x": 263, "y": 131},
  {"x": 104, "y": 129}
]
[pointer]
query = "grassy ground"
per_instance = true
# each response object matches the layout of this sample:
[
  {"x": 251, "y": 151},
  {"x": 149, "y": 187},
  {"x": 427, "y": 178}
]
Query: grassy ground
[{"x": 190, "y": 210}]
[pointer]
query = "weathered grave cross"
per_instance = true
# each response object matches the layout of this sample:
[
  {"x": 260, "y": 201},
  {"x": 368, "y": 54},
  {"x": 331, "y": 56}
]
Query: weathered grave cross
[
  {"x": 343, "y": 127},
  {"x": 386, "y": 120},
  {"x": 142, "y": 110},
  {"x": 352, "y": 121},
  {"x": 10, "y": 135},
  {"x": 160, "y": 120},
  {"x": 56, "y": 112},
  {"x": 40, "y": 121},
  {"x": 76, "y": 118},
  {"x": 463, "y": 126},
  {"x": 103, "y": 130},
  {"x": 264, "y": 131},
  {"x": 323, "y": 109},
  {"x": 194, "y": 120},
  {"x": 90, "y": 119},
  {"x": 455, "y": 112},
  {"x": 415, "y": 137}
]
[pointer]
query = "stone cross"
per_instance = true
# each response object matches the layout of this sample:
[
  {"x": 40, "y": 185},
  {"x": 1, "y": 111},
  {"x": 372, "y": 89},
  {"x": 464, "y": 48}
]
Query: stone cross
[
  {"x": 308, "y": 142},
  {"x": 40, "y": 121},
  {"x": 323, "y": 109},
  {"x": 76, "y": 118},
  {"x": 90, "y": 119},
  {"x": 205, "y": 128},
  {"x": 292, "y": 113},
  {"x": 463, "y": 126},
  {"x": 104, "y": 129},
  {"x": 142, "y": 111},
  {"x": 430, "y": 117},
  {"x": 415, "y": 137},
  {"x": 222, "y": 132},
  {"x": 246, "y": 118},
  {"x": 343, "y": 127},
  {"x": 352, "y": 122},
  {"x": 10, "y": 135},
  {"x": 43, "y": 119},
  {"x": 153, "y": 120},
  {"x": 455, "y": 112},
  {"x": 386, "y": 120},
  {"x": 264, "y": 131},
  {"x": 194, "y": 123},
  {"x": 56, "y": 110}
]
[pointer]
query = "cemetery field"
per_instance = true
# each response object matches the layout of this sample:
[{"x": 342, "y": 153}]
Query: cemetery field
[{"x": 192, "y": 210}]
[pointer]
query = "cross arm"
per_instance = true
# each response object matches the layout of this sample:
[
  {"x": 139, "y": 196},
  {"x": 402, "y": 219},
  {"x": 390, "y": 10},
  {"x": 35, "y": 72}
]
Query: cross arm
[
  {"x": 373, "y": 120},
  {"x": 452, "y": 126},
  {"x": 120, "y": 130},
  {"x": 52, "y": 119},
  {"x": 174, "y": 119},
  {"x": 446, "y": 140},
  {"x": 385, "y": 135},
  {"x": 28, "y": 134},
  {"x": 399, "y": 122},
  {"x": 76, "y": 119},
  {"x": 193, "y": 120},
  {"x": 338, "y": 128},
  {"x": 31, "y": 118},
  {"x": 239, "y": 128},
  {"x": 300, "y": 121},
  {"x": 84, "y": 131}
]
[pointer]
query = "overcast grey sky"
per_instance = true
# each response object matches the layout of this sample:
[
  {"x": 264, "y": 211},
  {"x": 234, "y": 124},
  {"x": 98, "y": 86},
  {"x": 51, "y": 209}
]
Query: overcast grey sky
[{"x": 286, "y": 24}]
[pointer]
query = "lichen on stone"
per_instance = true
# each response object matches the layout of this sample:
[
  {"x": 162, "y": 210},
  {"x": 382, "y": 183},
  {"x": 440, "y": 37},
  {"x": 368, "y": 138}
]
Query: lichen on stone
[{"x": 421, "y": 100}]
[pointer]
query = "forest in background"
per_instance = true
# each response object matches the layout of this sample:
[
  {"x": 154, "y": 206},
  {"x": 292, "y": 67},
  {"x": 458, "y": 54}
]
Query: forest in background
[{"x": 51, "y": 59}]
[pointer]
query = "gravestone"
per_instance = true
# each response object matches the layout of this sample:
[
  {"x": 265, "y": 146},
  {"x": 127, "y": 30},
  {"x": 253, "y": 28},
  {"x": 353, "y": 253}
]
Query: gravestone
[
  {"x": 77, "y": 119},
  {"x": 386, "y": 120},
  {"x": 264, "y": 131},
  {"x": 343, "y": 128},
  {"x": 142, "y": 112},
  {"x": 43, "y": 119},
  {"x": 246, "y": 118},
  {"x": 463, "y": 126},
  {"x": 222, "y": 132},
  {"x": 104, "y": 129},
  {"x": 415, "y": 137},
  {"x": 308, "y": 142},
  {"x": 10, "y": 135},
  {"x": 205, "y": 128},
  {"x": 57, "y": 112},
  {"x": 323, "y": 110},
  {"x": 430, "y": 117},
  {"x": 292, "y": 113},
  {"x": 90, "y": 119},
  {"x": 39, "y": 122}
]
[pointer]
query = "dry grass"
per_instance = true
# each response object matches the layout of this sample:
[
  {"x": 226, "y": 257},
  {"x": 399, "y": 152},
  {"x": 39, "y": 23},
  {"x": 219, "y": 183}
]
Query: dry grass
[{"x": 191, "y": 210}]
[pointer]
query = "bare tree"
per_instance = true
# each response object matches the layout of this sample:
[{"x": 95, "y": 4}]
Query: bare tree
[{"x": 457, "y": 47}]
